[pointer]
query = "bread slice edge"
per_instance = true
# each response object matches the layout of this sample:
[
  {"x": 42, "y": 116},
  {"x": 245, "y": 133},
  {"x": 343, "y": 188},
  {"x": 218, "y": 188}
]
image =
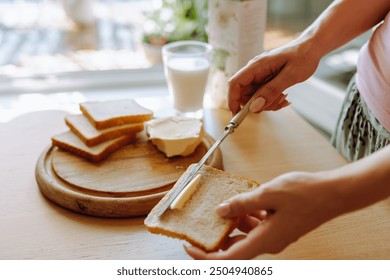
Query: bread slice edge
[{"x": 153, "y": 223}]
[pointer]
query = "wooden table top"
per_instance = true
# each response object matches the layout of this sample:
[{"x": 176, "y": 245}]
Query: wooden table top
[{"x": 263, "y": 147}]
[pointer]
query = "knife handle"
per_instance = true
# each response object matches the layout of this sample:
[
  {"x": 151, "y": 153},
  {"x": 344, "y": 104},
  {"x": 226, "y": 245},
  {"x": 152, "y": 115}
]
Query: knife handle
[{"x": 241, "y": 115}]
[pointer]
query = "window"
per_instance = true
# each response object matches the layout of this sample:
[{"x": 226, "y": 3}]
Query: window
[
  {"x": 42, "y": 48},
  {"x": 45, "y": 44}
]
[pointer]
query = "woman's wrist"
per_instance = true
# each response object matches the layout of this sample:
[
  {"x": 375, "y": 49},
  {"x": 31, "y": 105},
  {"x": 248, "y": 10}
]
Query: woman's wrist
[
  {"x": 307, "y": 45},
  {"x": 332, "y": 195}
]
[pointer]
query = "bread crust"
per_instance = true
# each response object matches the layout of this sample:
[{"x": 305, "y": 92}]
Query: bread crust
[
  {"x": 216, "y": 247},
  {"x": 71, "y": 143},
  {"x": 105, "y": 114},
  {"x": 91, "y": 136}
]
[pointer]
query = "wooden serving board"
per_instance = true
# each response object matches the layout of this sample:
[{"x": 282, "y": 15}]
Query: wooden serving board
[{"x": 128, "y": 183}]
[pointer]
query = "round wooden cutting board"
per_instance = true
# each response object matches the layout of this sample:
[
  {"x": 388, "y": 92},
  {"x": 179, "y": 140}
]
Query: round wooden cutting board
[{"x": 128, "y": 183}]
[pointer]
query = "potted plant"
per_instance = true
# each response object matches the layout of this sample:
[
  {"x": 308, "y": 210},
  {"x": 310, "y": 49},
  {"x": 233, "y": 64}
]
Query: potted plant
[{"x": 175, "y": 20}]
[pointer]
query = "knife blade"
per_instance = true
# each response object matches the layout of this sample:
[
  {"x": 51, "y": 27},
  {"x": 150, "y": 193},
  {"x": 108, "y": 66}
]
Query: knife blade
[{"x": 229, "y": 128}]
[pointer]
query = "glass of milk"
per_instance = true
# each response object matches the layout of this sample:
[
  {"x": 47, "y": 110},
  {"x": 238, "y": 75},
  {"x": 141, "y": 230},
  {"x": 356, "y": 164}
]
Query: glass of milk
[{"x": 186, "y": 68}]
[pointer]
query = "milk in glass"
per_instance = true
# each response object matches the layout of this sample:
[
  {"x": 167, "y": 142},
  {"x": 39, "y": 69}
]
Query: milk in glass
[
  {"x": 187, "y": 79},
  {"x": 186, "y": 67}
]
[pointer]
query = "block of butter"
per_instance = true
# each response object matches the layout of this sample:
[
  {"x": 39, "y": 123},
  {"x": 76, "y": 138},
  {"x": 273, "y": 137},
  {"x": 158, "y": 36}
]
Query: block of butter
[
  {"x": 186, "y": 193},
  {"x": 175, "y": 136}
]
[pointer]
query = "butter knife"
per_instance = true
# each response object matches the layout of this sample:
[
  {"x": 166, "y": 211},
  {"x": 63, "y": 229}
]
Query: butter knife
[{"x": 229, "y": 128}]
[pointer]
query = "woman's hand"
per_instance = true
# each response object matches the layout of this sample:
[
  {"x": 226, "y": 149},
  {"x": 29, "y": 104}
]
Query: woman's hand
[
  {"x": 275, "y": 215},
  {"x": 269, "y": 74}
]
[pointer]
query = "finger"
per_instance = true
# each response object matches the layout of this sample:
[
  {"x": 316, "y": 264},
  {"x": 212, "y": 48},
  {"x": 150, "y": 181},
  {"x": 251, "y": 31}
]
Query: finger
[
  {"x": 262, "y": 239},
  {"x": 272, "y": 89},
  {"x": 244, "y": 204},
  {"x": 261, "y": 215},
  {"x": 234, "y": 96},
  {"x": 247, "y": 93},
  {"x": 241, "y": 82},
  {"x": 232, "y": 240},
  {"x": 282, "y": 97},
  {"x": 247, "y": 223},
  {"x": 239, "y": 251},
  {"x": 282, "y": 105},
  {"x": 239, "y": 94},
  {"x": 246, "y": 248},
  {"x": 195, "y": 252},
  {"x": 267, "y": 237},
  {"x": 259, "y": 104},
  {"x": 283, "y": 102},
  {"x": 198, "y": 253}
]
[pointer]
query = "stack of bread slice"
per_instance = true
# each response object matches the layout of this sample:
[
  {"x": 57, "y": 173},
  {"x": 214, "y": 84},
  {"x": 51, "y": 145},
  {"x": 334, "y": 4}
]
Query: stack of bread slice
[{"x": 102, "y": 128}]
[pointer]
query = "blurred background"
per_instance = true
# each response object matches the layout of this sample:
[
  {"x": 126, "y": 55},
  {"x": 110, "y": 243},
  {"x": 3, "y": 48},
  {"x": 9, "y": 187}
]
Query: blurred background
[
  {"x": 44, "y": 37},
  {"x": 49, "y": 46}
]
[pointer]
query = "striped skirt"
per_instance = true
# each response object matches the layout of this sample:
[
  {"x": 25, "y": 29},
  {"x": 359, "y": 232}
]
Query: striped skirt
[{"x": 358, "y": 133}]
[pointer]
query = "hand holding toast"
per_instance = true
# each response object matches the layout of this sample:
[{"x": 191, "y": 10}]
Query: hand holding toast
[{"x": 275, "y": 215}]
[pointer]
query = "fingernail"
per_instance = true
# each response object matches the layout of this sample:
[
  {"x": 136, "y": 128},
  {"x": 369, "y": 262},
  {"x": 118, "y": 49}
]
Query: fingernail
[
  {"x": 223, "y": 209},
  {"x": 257, "y": 105}
]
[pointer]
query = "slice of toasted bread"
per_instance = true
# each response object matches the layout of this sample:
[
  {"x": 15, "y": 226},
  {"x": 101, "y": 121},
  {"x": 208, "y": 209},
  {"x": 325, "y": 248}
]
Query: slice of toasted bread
[
  {"x": 91, "y": 136},
  {"x": 197, "y": 221},
  {"x": 68, "y": 141},
  {"x": 105, "y": 114}
]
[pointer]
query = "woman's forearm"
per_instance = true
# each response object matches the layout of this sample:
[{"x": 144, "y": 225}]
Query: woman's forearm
[
  {"x": 342, "y": 21},
  {"x": 363, "y": 182}
]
